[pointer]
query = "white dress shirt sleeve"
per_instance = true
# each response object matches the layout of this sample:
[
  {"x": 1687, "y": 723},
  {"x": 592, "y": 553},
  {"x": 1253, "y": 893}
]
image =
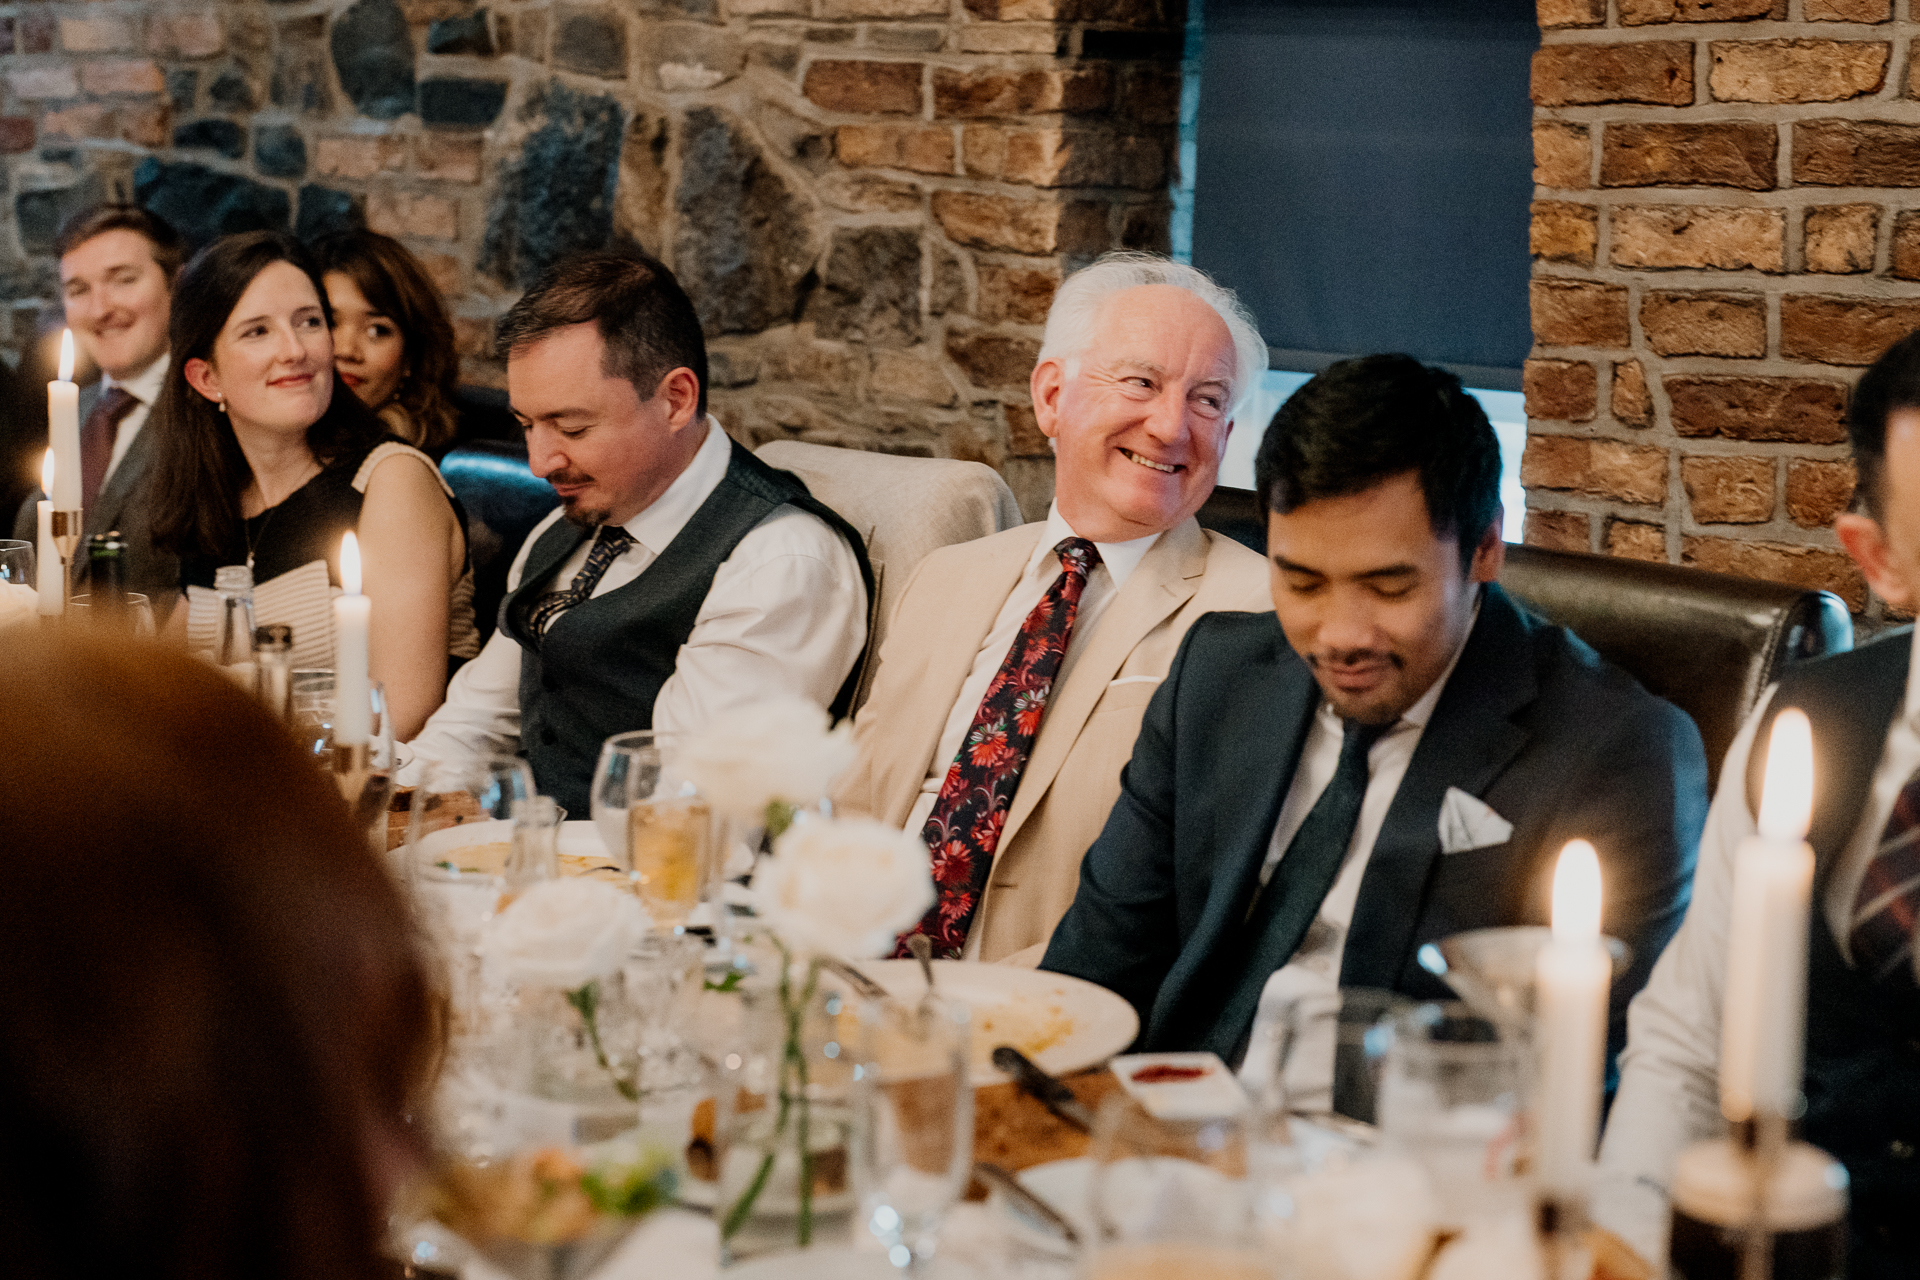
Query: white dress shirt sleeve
[{"x": 1670, "y": 1070}]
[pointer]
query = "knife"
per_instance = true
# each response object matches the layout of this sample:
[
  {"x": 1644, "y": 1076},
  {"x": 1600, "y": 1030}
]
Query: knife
[
  {"x": 1056, "y": 1096},
  {"x": 1025, "y": 1201}
]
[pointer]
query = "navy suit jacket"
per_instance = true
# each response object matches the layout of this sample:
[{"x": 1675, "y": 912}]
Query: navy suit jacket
[{"x": 1531, "y": 721}]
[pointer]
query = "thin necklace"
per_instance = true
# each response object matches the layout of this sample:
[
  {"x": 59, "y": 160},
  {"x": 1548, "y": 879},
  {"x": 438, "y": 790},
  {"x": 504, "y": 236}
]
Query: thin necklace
[{"x": 254, "y": 538}]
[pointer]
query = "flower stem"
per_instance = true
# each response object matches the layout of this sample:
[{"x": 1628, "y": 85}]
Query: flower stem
[{"x": 586, "y": 1000}]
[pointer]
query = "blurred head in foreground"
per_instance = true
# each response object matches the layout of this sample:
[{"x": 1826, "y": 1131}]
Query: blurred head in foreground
[{"x": 214, "y": 1018}]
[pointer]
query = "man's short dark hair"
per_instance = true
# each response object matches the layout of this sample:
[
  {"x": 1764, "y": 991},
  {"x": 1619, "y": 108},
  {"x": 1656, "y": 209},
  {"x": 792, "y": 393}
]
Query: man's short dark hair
[
  {"x": 1362, "y": 421},
  {"x": 640, "y": 310},
  {"x": 1892, "y": 384},
  {"x": 169, "y": 251}
]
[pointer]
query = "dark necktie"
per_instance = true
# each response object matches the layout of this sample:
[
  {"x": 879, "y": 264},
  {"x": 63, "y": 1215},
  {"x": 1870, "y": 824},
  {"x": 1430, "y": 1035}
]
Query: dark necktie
[
  {"x": 1888, "y": 903},
  {"x": 963, "y": 830},
  {"x": 610, "y": 545},
  {"x": 97, "y": 435},
  {"x": 1292, "y": 896}
]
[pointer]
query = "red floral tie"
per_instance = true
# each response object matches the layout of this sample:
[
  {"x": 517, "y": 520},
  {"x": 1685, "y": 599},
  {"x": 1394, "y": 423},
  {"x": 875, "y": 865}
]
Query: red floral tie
[{"x": 964, "y": 828}]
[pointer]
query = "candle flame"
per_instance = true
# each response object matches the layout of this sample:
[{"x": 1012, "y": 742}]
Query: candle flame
[
  {"x": 1786, "y": 801},
  {"x": 350, "y": 564},
  {"x": 66, "y": 355},
  {"x": 46, "y": 475},
  {"x": 1576, "y": 894}
]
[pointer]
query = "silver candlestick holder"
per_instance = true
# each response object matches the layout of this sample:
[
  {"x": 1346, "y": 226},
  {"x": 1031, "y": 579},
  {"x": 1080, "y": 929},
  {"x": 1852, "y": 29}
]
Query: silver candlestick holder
[{"x": 66, "y": 540}]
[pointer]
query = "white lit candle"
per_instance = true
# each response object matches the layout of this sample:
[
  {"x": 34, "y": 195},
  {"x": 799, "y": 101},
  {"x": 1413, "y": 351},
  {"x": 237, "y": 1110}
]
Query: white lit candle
[
  {"x": 1574, "y": 975},
  {"x": 1763, "y": 1025},
  {"x": 47, "y": 579},
  {"x": 353, "y": 712},
  {"x": 63, "y": 426}
]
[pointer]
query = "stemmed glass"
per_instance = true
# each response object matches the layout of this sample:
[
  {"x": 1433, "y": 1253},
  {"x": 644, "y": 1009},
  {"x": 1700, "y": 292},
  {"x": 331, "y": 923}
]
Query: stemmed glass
[
  {"x": 913, "y": 1123},
  {"x": 16, "y": 563},
  {"x": 132, "y": 612},
  {"x": 629, "y": 766},
  {"x": 367, "y": 792}
]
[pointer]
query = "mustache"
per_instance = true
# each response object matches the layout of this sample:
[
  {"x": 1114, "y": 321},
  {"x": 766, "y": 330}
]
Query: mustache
[
  {"x": 1354, "y": 658},
  {"x": 568, "y": 477}
]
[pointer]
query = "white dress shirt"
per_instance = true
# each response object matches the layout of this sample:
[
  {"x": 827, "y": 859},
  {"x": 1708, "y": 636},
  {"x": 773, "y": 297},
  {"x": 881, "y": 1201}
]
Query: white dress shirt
[
  {"x": 1118, "y": 560},
  {"x": 786, "y": 614},
  {"x": 1670, "y": 1070},
  {"x": 144, "y": 387},
  {"x": 1315, "y": 967}
]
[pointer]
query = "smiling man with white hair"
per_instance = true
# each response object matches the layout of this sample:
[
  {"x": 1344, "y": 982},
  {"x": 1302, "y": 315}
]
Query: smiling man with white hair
[{"x": 1017, "y": 667}]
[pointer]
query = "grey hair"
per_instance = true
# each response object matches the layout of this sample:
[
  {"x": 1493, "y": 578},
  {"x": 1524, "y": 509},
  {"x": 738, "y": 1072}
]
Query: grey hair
[{"x": 1074, "y": 316}]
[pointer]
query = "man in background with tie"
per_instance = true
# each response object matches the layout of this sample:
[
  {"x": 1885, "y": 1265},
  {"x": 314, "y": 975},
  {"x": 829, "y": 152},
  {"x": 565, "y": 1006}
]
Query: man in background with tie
[
  {"x": 680, "y": 577},
  {"x": 117, "y": 264},
  {"x": 1861, "y": 1076},
  {"x": 1395, "y": 754},
  {"x": 1013, "y": 676}
]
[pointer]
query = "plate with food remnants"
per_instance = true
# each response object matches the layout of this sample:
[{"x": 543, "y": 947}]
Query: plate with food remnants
[
  {"x": 480, "y": 849},
  {"x": 1064, "y": 1024}
]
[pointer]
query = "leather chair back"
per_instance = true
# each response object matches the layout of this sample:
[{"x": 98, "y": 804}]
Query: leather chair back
[
  {"x": 504, "y": 500},
  {"x": 903, "y": 507},
  {"x": 1707, "y": 642}
]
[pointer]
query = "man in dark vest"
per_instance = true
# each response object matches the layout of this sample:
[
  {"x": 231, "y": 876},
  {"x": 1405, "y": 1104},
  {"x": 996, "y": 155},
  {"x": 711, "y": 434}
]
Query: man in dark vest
[
  {"x": 680, "y": 576},
  {"x": 1862, "y": 1072},
  {"x": 1397, "y": 753}
]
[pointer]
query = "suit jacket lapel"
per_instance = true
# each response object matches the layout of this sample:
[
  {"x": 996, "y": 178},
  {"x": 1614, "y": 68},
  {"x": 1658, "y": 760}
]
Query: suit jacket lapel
[
  {"x": 1469, "y": 740},
  {"x": 107, "y": 508},
  {"x": 1165, "y": 579}
]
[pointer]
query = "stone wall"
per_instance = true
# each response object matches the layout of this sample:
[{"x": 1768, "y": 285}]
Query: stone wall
[
  {"x": 1726, "y": 230},
  {"x": 870, "y": 201}
]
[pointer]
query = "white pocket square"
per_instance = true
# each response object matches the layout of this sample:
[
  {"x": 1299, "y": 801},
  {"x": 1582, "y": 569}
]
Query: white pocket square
[{"x": 1469, "y": 823}]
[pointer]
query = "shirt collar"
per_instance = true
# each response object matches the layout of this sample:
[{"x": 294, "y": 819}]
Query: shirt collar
[
  {"x": 662, "y": 521},
  {"x": 143, "y": 386},
  {"x": 1120, "y": 558},
  {"x": 1417, "y": 715}
]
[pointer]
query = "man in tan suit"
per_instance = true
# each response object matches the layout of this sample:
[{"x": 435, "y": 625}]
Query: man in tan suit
[{"x": 1017, "y": 667}]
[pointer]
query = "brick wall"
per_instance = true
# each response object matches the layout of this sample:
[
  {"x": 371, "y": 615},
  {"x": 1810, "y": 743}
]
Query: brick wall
[
  {"x": 870, "y": 201},
  {"x": 1726, "y": 230}
]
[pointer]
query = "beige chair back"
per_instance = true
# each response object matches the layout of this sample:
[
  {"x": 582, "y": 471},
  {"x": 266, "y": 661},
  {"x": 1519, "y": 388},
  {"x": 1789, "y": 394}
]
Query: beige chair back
[{"x": 903, "y": 507}]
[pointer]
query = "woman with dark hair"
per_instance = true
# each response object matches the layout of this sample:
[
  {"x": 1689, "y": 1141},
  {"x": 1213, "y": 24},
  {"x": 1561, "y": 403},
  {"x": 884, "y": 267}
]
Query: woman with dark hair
[
  {"x": 260, "y": 463},
  {"x": 215, "y": 1021},
  {"x": 392, "y": 340}
]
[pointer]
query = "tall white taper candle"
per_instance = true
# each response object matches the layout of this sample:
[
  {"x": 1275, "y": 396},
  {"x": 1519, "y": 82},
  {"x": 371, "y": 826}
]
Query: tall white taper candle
[
  {"x": 353, "y": 713},
  {"x": 1573, "y": 977},
  {"x": 63, "y": 427}
]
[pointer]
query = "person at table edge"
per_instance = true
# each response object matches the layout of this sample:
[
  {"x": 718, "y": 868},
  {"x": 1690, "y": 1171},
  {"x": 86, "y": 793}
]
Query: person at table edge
[
  {"x": 117, "y": 267},
  {"x": 1397, "y": 753},
  {"x": 1012, "y": 679},
  {"x": 680, "y": 576},
  {"x": 1861, "y": 1077}
]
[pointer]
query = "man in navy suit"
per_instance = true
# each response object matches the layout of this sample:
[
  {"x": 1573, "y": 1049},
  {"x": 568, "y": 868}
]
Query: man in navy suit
[{"x": 1396, "y": 754}]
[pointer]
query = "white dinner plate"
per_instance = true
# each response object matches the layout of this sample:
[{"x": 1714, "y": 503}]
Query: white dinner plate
[
  {"x": 837, "y": 1262},
  {"x": 1064, "y": 1024}
]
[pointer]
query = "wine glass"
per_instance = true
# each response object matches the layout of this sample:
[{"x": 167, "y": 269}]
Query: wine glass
[
  {"x": 459, "y": 842},
  {"x": 629, "y": 766},
  {"x": 913, "y": 1123},
  {"x": 367, "y": 790},
  {"x": 16, "y": 563},
  {"x": 1171, "y": 1199},
  {"x": 131, "y": 612}
]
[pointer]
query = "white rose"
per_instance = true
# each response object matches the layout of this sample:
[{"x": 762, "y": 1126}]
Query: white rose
[
  {"x": 565, "y": 933},
  {"x": 751, "y": 756},
  {"x": 843, "y": 887},
  {"x": 18, "y": 603}
]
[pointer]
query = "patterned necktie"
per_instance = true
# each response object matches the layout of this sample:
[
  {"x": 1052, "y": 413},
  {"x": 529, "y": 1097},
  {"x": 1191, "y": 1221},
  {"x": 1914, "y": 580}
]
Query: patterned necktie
[
  {"x": 1286, "y": 907},
  {"x": 608, "y": 547},
  {"x": 1888, "y": 903},
  {"x": 97, "y": 435},
  {"x": 963, "y": 830}
]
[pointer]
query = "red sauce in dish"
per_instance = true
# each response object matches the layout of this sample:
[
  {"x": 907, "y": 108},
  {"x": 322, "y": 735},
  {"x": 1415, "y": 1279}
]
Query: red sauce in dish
[{"x": 1165, "y": 1074}]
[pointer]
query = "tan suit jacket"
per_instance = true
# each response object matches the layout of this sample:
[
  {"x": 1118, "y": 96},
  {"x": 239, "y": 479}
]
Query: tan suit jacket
[{"x": 1073, "y": 777}]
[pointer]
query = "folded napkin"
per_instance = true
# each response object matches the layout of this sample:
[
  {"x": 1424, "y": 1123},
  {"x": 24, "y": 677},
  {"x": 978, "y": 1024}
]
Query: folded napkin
[
  {"x": 1470, "y": 823},
  {"x": 299, "y": 598}
]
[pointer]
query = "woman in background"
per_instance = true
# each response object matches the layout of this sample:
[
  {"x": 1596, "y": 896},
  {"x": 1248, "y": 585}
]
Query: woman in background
[
  {"x": 215, "y": 1023},
  {"x": 260, "y": 463},
  {"x": 392, "y": 340}
]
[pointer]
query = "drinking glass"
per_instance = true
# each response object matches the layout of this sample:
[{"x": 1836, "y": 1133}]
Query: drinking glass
[
  {"x": 16, "y": 563},
  {"x": 1171, "y": 1199},
  {"x": 313, "y": 706},
  {"x": 629, "y": 766},
  {"x": 1318, "y": 1054},
  {"x": 1452, "y": 1095},
  {"x": 913, "y": 1123},
  {"x": 133, "y": 612}
]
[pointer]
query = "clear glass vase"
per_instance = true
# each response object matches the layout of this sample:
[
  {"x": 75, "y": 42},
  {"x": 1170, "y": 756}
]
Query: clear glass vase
[
  {"x": 785, "y": 1108},
  {"x": 578, "y": 1050}
]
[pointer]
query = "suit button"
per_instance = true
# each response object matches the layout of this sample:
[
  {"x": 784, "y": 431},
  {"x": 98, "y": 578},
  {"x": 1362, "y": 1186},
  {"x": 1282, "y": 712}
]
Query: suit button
[
  {"x": 1900, "y": 1149},
  {"x": 549, "y": 737}
]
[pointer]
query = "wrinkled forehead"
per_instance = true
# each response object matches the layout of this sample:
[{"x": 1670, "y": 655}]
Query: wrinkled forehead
[{"x": 1166, "y": 327}]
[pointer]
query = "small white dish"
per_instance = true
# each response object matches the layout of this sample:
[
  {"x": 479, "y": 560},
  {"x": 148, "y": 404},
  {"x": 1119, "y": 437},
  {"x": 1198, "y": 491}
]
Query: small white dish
[{"x": 1181, "y": 1086}]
